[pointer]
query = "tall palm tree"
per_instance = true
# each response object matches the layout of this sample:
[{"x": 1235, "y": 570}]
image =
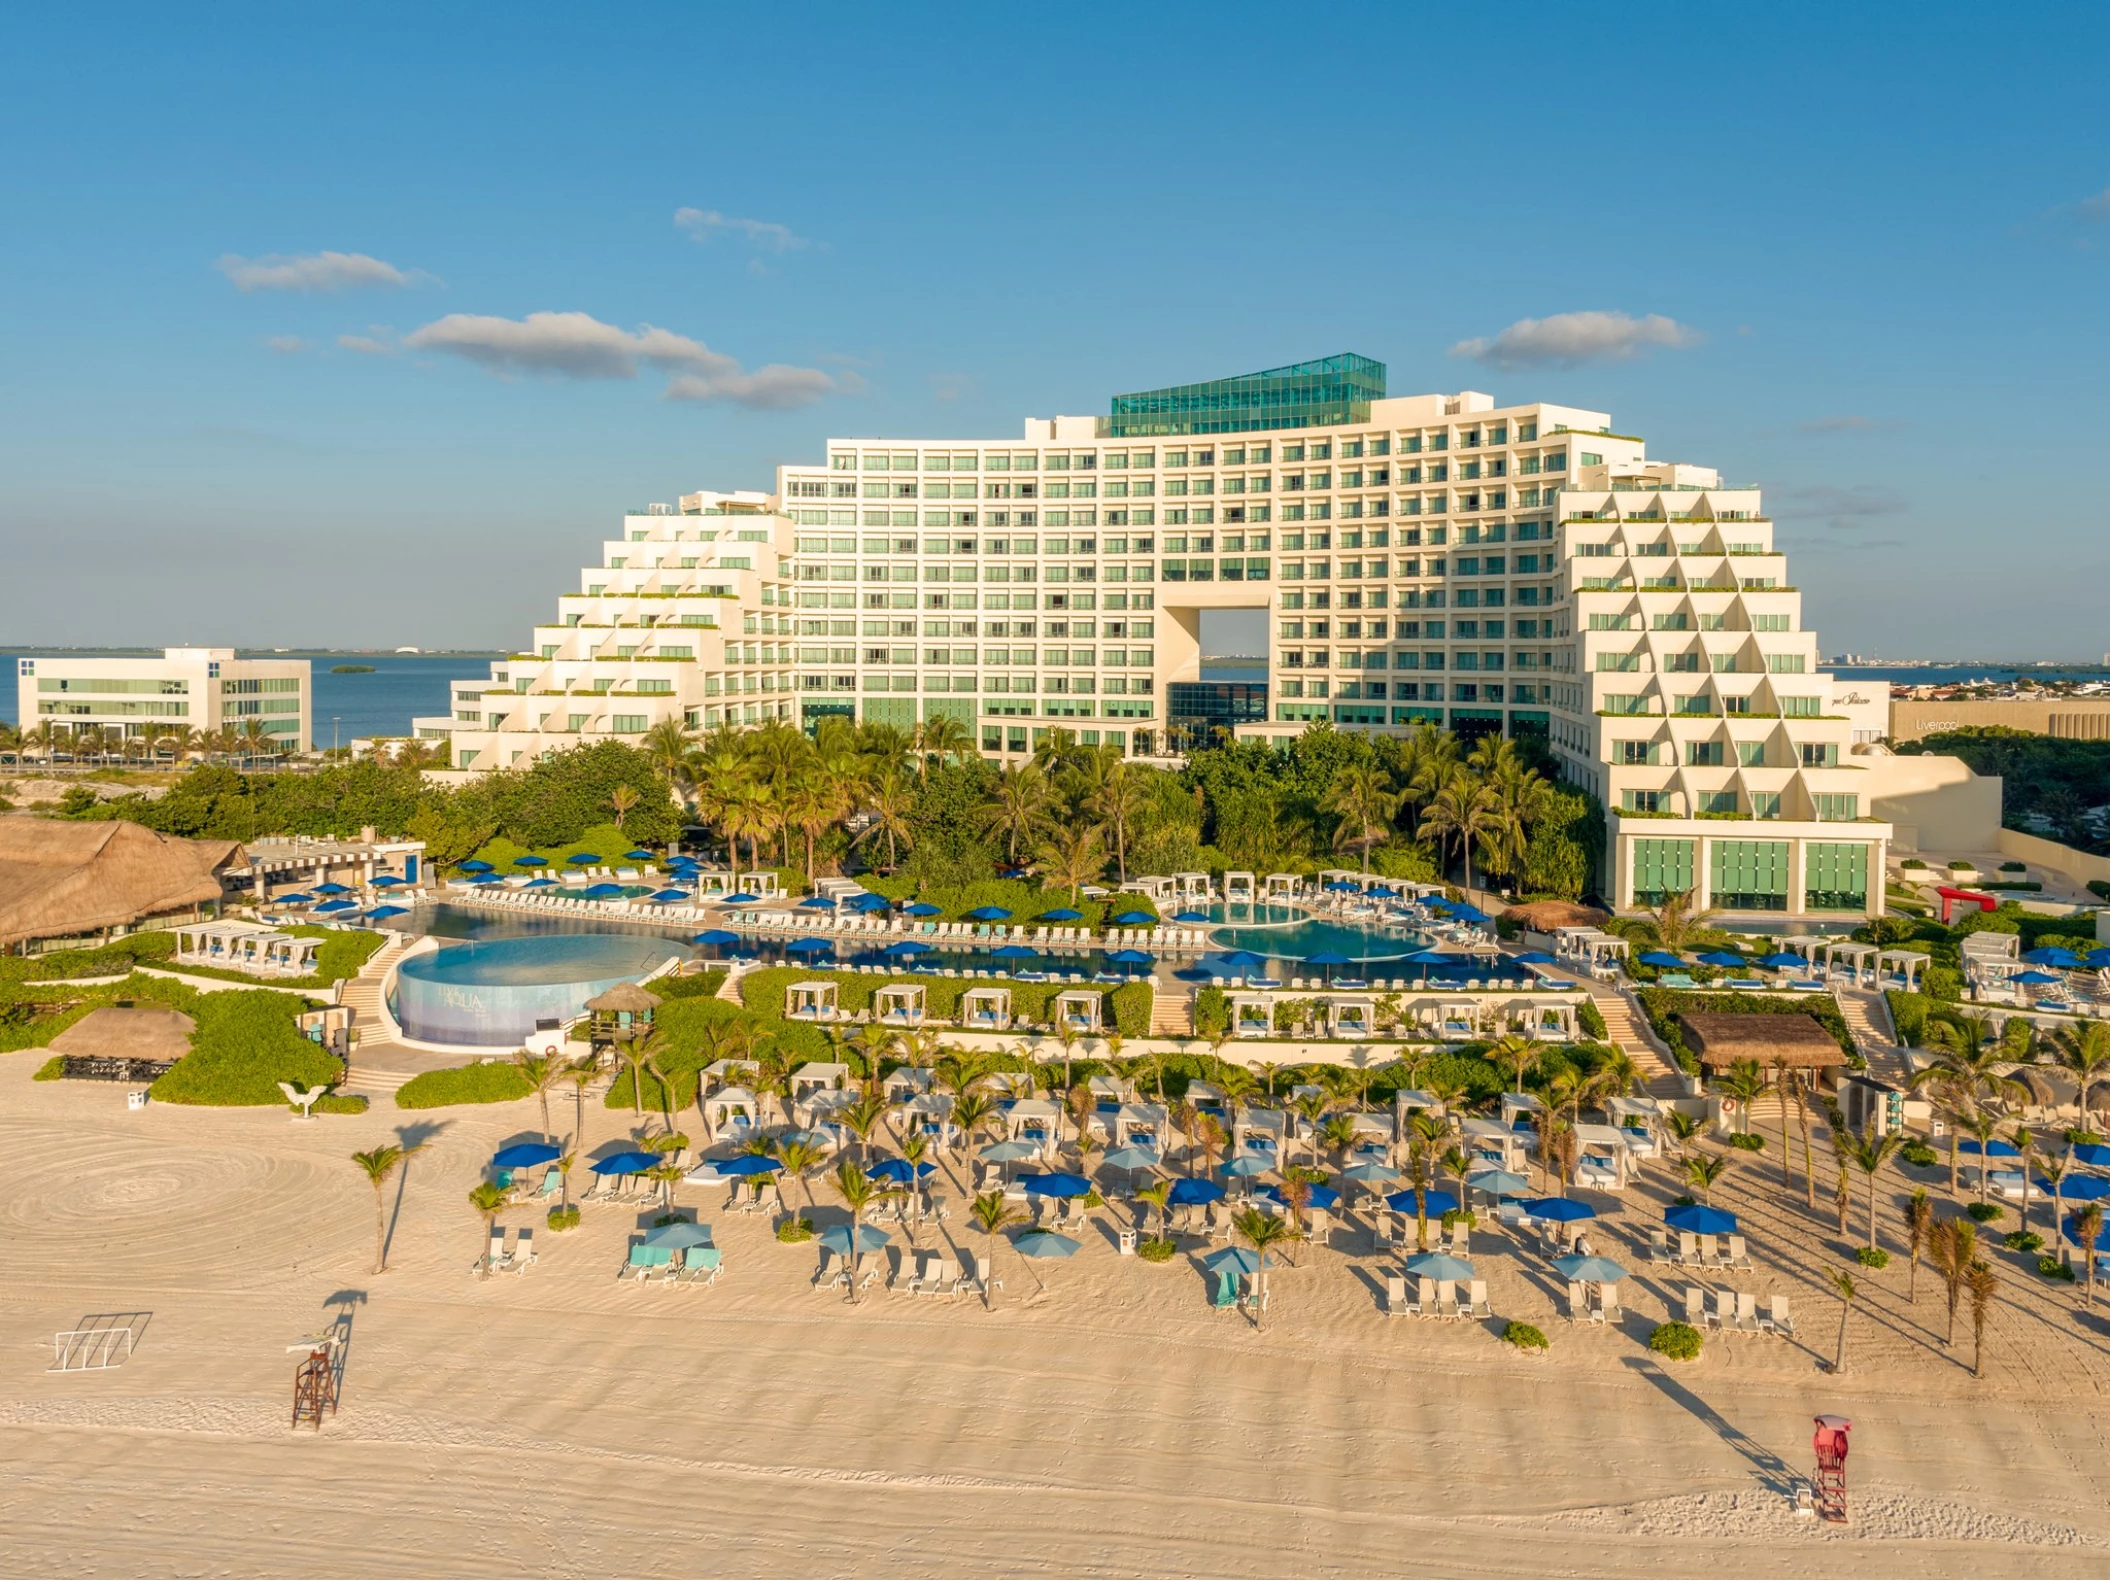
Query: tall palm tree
[
  {"x": 1073, "y": 856},
  {"x": 1363, "y": 799},
  {"x": 812, "y": 802},
  {"x": 580, "y": 1072},
  {"x": 2088, "y": 1224},
  {"x": 1843, "y": 1286},
  {"x": 377, "y": 1166},
  {"x": 623, "y": 800},
  {"x": 1428, "y": 759},
  {"x": 671, "y": 751},
  {"x": 991, "y": 1215},
  {"x": 1018, "y": 807},
  {"x": 1743, "y": 1083},
  {"x": 798, "y": 1156},
  {"x": 1520, "y": 1054},
  {"x": 1953, "y": 1247},
  {"x": 1983, "y": 1284},
  {"x": 1919, "y": 1219},
  {"x": 2085, "y": 1050},
  {"x": 489, "y": 1200},
  {"x": 1157, "y": 1196},
  {"x": 1677, "y": 919},
  {"x": 858, "y": 1192},
  {"x": 1869, "y": 1153},
  {"x": 1703, "y": 1172},
  {"x": 888, "y": 799},
  {"x": 1262, "y": 1231},
  {"x": 941, "y": 736},
  {"x": 541, "y": 1071},
  {"x": 1463, "y": 810},
  {"x": 1112, "y": 791}
]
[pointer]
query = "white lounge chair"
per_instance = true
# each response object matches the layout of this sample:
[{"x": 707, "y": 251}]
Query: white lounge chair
[
  {"x": 1396, "y": 1298},
  {"x": 1777, "y": 1317}
]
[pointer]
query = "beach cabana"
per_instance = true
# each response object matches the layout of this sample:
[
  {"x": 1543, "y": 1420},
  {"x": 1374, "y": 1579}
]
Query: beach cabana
[
  {"x": 1282, "y": 887},
  {"x": 907, "y": 1083},
  {"x": 1035, "y": 1120},
  {"x": 1252, "y": 1015},
  {"x": 1139, "y": 1125},
  {"x": 623, "y": 1013},
  {"x": 814, "y": 1000},
  {"x": 899, "y": 1004},
  {"x": 1447, "y": 1018},
  {"x": 1905, "y": 965},
  {"x": 731, "y": 1113},
  {"x": 1603, "y": 1161},
  {"x": 1794, "y": 1040},
  {"x": 1496, "y": 1144},
  {"x": 1353, "y": 1017},
  {"x": 1541, "y": 1019},
  {"x": 985, "y": 1009},
  {"x": 1261, "y": 1130},
  {"x": 1079, "y": 1011},
  {"x": 727, "y": 1072},
  {"x": 1238, "y": 888}
]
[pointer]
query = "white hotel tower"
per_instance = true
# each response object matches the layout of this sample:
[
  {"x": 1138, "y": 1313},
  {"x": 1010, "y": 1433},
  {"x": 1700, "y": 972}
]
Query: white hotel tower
[{"x": 1422, "y": 558}]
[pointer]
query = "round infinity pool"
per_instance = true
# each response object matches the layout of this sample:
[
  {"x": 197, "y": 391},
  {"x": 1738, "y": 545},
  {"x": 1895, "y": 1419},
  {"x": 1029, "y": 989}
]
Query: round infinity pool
[{"x": 491, "y": 994}]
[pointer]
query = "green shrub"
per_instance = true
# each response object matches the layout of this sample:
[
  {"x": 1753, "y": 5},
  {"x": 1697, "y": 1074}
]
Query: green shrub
[
  {"x": 1131, "y": 1006},
  {"x": 1156, "y": 1250},
  {"x": 2026, "y": 1241},
  {"x": 1524, "y": 1336},
  {"x": 1872, "y": 1256},
  {"x": 116, "y": 958},
  {"x": 489, "y": 1081},
  {"x": 1747, "y": 1141},
  {"x": 341, "y": 1103},
  {"x": 562, "y": 1218},
  {"x": 1944, "y": 984},
  {"x": 1212, "y": 1013},
  {"x": 795, "y": 1231},
  {"x": 243, "y": 1046},
  {"x": 2051, "y": 1267},
  {"x": 1984, "y": 1211},
  {"x": 1920, "y": 1155},
  {"x": 1678, "y": 1341},
  {"x": 1591, "y": 1019},
  {"x": 1908, "y": 1013},
  {"x": 2099, "y": 888},
  {"x": 704, "y": 984},
  {"x": 52, "y": 1069},
  {"x": 1458, "y": 1215}
]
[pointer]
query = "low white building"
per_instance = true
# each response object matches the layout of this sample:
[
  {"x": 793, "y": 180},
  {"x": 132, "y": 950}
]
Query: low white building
[{"x": 202, "y": 689}]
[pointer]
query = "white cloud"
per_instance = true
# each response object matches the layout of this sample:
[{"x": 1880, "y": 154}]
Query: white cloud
[
  {"x": 314, "y": 271},
  {"x": 580, "y": 346},
  {"x": 948, "y": 387},
  {"x": 707, "y": 224},
  {"x": 2097, "y": 207},
  {"x": 1848, "y": 423},
  {"x": 366, "y": 345},
  {"x": 1570, "y": 339},
  {"x": 1846, "y": 508},
  {"x": 285, "y": 345}
]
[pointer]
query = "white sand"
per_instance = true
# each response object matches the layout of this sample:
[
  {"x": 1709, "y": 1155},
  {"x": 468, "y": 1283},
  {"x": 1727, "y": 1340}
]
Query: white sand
[{"x": 1102, "y": 1421}]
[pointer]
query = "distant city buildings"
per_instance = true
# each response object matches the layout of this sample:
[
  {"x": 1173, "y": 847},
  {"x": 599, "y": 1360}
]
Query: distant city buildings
[{"x": 203, "y": 689}]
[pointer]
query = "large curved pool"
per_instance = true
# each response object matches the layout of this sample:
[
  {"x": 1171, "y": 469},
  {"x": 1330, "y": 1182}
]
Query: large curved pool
[
  {"x": 1300, "y": 940},
  {"x": 491, "y": 993}
]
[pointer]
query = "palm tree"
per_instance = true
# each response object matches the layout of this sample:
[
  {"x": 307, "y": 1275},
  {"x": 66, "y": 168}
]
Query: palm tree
[
  {"x": 1017, "y": 808},
  {"x": 858, "y": 1192},
  {"x": 1112, "y": 791},
  {"x": 1782, "y": 1076},
  {"x": 1843, "y": 1286},
  {"x": 623, "y": 800},
  {"x": 862, "y": 1118},
  {"x": 666, "y": 1176},
  {"x": 1261, "y": 1231},
  {"x": 489, "y": 1200},
  {"x": 1919, "y": 1219},
  {"x": 812, "y": 802},
  {"x": 1743, "y": 1083},
  {"x": 2088, "y": 1224},
  {"x": 1703, "y": 1172},
  {"x": 1463, "y": 810},
  {"x": 637, "y": 1053},
  {"x": 1869, "y": 1153},
  {"x": 2054, "y": 1169},
  {"x": 580, "y": 1072},
  {"x": 1954, "y": 1246},
  {"x": 991, "y": 1215},
  {"x": 668, "y": 745},
  {"x": 888, "y": 799},
  {"x": 1520, "y": 1054},
  {"x": 541, "y": 1071},
  {"x": 564, "y": 1180},
  {"x": 971, "y": 1111},
  {"x": 1073, "y": 856},
  {"x": 2085, "y": 1050},
  {"x": 1677, "y": 920},
  {"x": 797, "y": 1157},
  {"x": 1158, "y": 1197},
  {"x": 377, "y": 1165},
  {"x": 1362, "y": 797},
  {"x": 1425, "y": 1130},
  {"x": 941, "y": 736},
  {"x": 1983, "y": 1285}
]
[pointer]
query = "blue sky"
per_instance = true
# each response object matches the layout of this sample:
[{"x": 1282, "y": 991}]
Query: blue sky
[{"x": 271, "y": 370}]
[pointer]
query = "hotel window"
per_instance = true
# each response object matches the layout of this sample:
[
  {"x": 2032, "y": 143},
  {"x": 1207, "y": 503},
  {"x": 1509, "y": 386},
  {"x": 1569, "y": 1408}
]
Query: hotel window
[{"x": 1765, "y": 804}]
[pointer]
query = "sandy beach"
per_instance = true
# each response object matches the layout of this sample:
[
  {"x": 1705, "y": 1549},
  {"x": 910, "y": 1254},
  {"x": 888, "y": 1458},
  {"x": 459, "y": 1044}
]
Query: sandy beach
[{"x": 1101, "y": 1421}]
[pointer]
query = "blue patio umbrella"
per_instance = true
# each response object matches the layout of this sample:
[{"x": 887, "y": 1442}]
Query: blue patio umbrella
[
  {"x": 746, "y": 1166},
  {"x": 1722, "y": 959},
  {"x": 1440, "y": 1265},
  {"x": 681, "y": 1236},
  {"x": 1534, "y": 957},
  {"x": 1014, "y": 951},
  {"x": 626, "y": 1163},
  {"x": 1341, "y": 886},
  {"x": 739, "y": 899},
  {"x": 386, "y": 881},
  {"x": 925, "y": 908},
  {"x": 2052, "y": 955},
  {"x": 907, "y": 946},
  {"x": 525, "y": 1155},
  {"x": 896, "y": 1171},
  {"x": 1440, "y": 1202},
  {"x": 1589, "y": 1269},
  {"x": 1972, "y": 1147},
  {"x": 1322, "y": 1198},
  {"x": 582, "y": 858},
  {"x": 1431, "y": 957},
  {"x": 1008, "y": 1152},
  {"x": 868, "y": 902},
  {"x": 1130, "y": 1158},
  {"x": 808, "y": 946},
  {"x": 1559, "y": 1209},
  {"x": 1472, "y": 915},
  {"x": 1370, "y": 1173},
  {"x": 338, "y": 888},
  {"x": 1696, "y": 1219},
  {"x": 670, "y": 896},
  {"x": 817, "y": 902},
  {"x": 333, "y": 907},
  {"x": 531, "y": 861},
  {"x": 1661, "y": 957},
  {"x": 474, "y": 866},
  {"x": 1498, "y": 1182},
  {"x": 640, "y": 855},
  {"x": 2093, "y": 1153},
  {"x": 1247, "y": 1164},
  {"x": 386, "y": 913},
  {"x": 540, "y": 883},
  {"x": 1233, "y": 1259},
  {"x": 1193, "y": 1193},
  {"x": 1064, "y": 915},
  {"x": 989, "y": 913},
  {"x": 1134, "y": 919},
  {"x": 1240, "y": 960},
  {"x": 836, "y": 1239},
  {"x": 2034, "y": 979},
  {"x": 1327, "y": 957},
  {"x": 1045, "y": 1243},
  {"x": 1782, "y": 960},
  {"x": 717, "y": 937},
  {"x": 1129, "y": 957},
  {"x": 483, "y": 878},
  {"x": 2077, "y": 1187},
  {"x": 1064, "y": 1185},
  {"x": 294, "y": 899},
  {"x": 601, "y": 891},
  {"x": 1191, "y": 916}
]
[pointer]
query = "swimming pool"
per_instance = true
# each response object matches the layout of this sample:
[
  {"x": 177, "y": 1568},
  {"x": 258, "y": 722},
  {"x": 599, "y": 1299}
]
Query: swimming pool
[{"x": 491, "y": 992}]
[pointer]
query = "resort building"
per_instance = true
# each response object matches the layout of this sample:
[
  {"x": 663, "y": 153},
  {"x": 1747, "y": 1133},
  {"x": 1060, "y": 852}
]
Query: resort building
[
  {"x": 204, "y": 688},
  {"x": 1441, "y": 558}
]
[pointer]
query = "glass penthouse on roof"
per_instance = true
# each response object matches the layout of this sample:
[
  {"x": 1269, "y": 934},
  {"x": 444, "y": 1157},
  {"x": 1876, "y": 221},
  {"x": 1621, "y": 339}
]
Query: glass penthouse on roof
[{"x": 1303, "y": 395}]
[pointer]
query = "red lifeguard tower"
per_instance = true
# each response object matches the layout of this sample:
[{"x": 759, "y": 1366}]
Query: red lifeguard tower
[{"x": 1830, "y": 1485}]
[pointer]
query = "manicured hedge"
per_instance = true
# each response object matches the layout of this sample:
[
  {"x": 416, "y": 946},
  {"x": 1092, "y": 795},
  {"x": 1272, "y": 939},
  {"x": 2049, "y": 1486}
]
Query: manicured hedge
[
  {"x": 493, "y": 1081},
  {"x": 244, "y": 1045},
  {"x": 112, "y": 959},
  {"x": 31, "y": 1016}
]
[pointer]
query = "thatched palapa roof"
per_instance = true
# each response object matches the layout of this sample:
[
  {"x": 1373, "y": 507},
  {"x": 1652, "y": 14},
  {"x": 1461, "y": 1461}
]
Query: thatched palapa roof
[
  {"x": 57, "y": 879},
  {"x": 1546, "y": 916},
  {"x": 623, "y": 997},
  {"x": 127, "y": 1031},
  {"x": 1792, "y": 1039}
]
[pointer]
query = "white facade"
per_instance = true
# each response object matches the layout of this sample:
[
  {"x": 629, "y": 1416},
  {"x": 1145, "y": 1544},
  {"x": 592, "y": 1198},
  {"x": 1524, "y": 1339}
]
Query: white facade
[
  {"x": 203, "y": 688},
  {"x": 1429, "y": 558}
]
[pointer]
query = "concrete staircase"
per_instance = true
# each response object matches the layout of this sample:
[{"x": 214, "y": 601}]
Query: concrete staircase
[
  {"x": 1867, "y": 1017},
  {"x": 1626, "y": 1027},
  {"x": 362, "y": 994},
  {"x": 1171, "y": 1012}
]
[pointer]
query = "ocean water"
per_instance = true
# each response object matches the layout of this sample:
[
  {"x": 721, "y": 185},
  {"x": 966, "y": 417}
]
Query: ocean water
[
  {"x": 1962, "y": 674},
  {"x": 402, "y": 686}
]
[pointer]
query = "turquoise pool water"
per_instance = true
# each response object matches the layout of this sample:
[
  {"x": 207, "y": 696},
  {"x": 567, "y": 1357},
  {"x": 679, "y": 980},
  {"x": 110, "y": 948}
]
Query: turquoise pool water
[
  {"x": 1300, "y": 940},
  {"x": 491, "y": 993},
  {"x": 1256, "y": 915}
]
